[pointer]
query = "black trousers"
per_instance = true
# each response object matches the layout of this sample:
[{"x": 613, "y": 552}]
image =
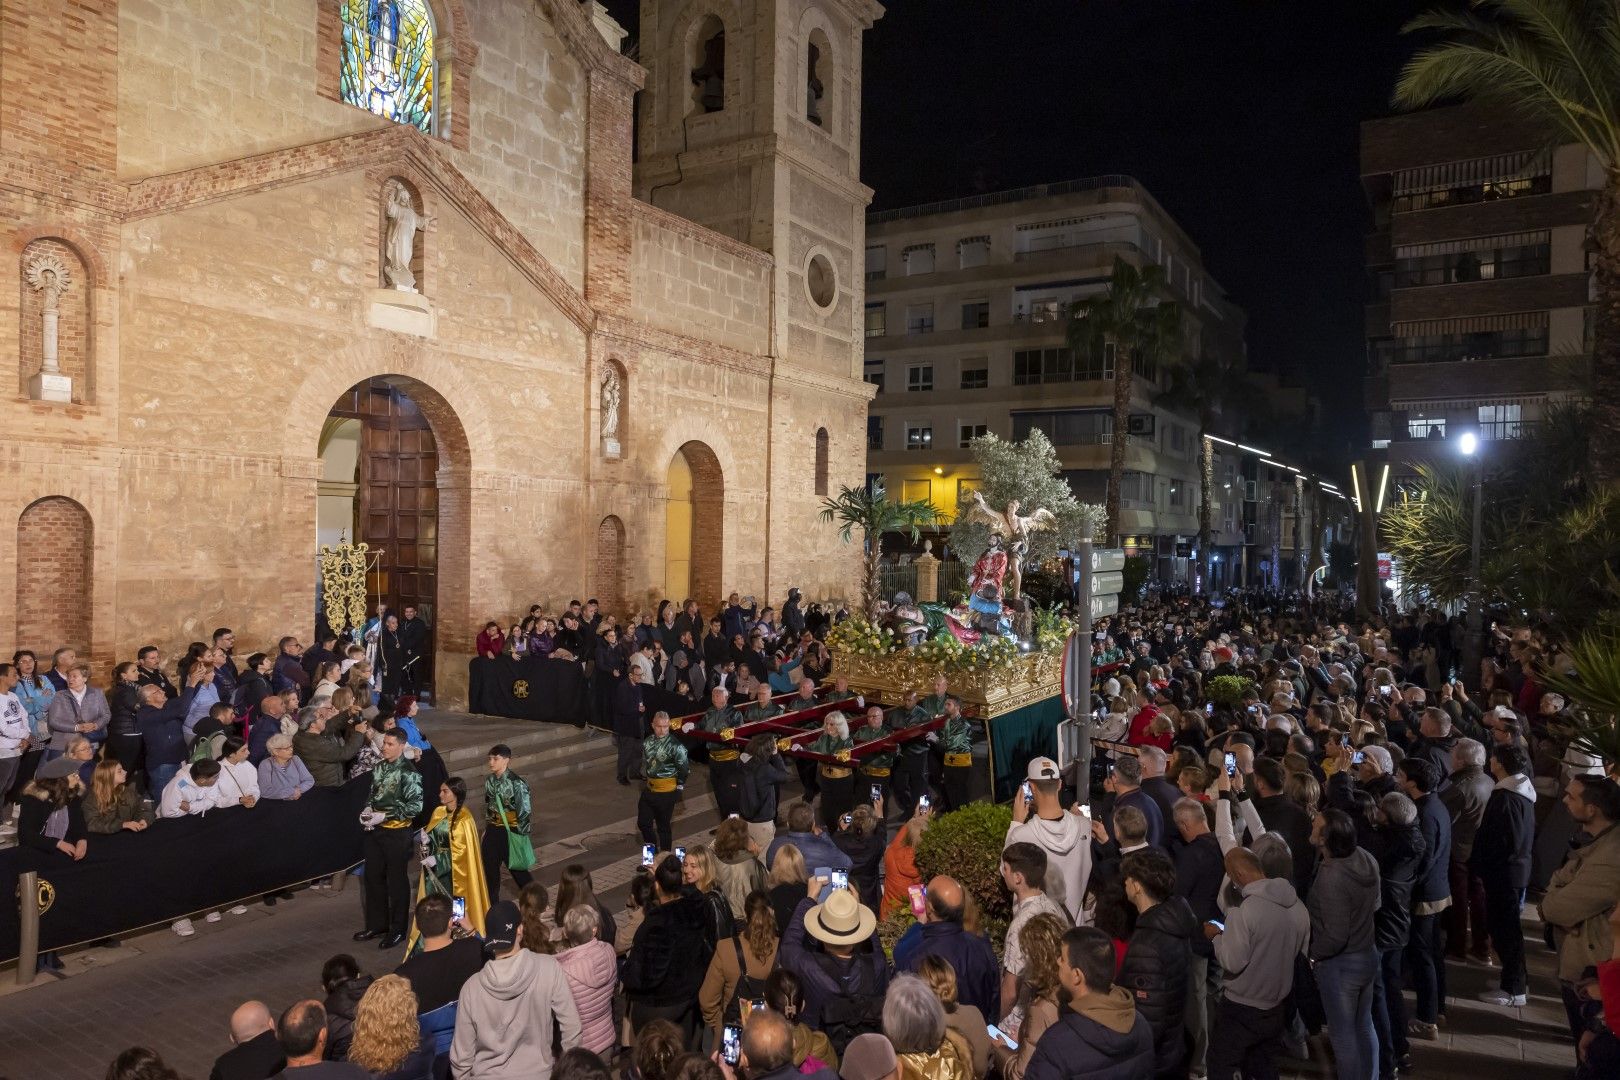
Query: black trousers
[
  {"x": 958, "y": 782},
  {"x": 726, "y": 778},
  {"x": 837, "y": 796},
  {"x": 1502, "y": 907},
  {"x": 1245, "y": 1041},
  {"x": 629, "y": 756},
  {"x": 493, "y": 850},
  {"x": 654, "y": 814},
  {"x": 908, "y": 781},
  {"x": 808, "y": 778},
  {"x": 864, "y": 783},
  {"x": 388, "y": 881}
]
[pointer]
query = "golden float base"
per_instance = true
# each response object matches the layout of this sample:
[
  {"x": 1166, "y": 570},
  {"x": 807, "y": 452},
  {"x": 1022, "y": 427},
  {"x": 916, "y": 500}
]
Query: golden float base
[{"x": 988, "y": 692}]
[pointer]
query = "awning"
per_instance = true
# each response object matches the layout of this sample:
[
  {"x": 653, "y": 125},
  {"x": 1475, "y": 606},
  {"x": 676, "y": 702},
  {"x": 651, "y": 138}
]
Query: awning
[
  {"x": 1441, "y": 406},
  {"x": 1480, "y": 324},
  {"x": 1477, "y": 243},
  {"x": 1459, "y": 174}
]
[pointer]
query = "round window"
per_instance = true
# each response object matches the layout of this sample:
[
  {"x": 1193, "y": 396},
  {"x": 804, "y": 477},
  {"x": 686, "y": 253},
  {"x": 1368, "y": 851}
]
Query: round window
[{"x": 821, "y": 280}]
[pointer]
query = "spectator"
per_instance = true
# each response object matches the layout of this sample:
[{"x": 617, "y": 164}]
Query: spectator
[
  {"x": 1040, "y": 940},
  {"x": 1282, "y": 815},
  {"x": 114, "y": 805},
  {"x": 942, "y": 934},
  {"x": 862, "y": 834},
  {"x": 283, "y": 774},
  {"x": 504, "y": 1016},
  {"x": 843, "y": 970},
  {"x": 1023, "y": 871},
  {"x": 784, "y": 994},
  {"x": 540, "y": 931},
  {"x": 1160, "y": 790},
  {"x": 1159, "y": 954},
  {"x": 1101, "y": 1033},
  {"x": 1125, "y": 781},
  {"x": 804, "y": 833},
  {"x": 1199, "y": 872},
  {"x": 1062, "y": 835},
  {"x": 1431, "y": 890},
  {"x": 658, "y": 1046},
  {"x": 575, "y": 889},
  {"x": 446, "y": 962},
  {"x": 635, "y": 913},
  {"x": 344, "y": 986},
  {"x": 593, "y": 973},
  {"x": 741, "y": 964},
  {"x": 914, "y": 1021},
  {"x": 698, "y": 871},
  {"x": 1465, "y": 796},
  {"x": 323, "y": 756},
  {"x": 1399, "y": 847},
  {"x": 302, "y": 1032},
  {"x": 163, "y": 742},
  {"x": 763, "y": 771},
  {"x": 388, "y": 1042},
  {"x": 255, "y": 1053},
  {"x": 669, "y": 956},
  {"x": 737, "y": 868},
  {"x": 1342, "y": 949},
  {"x": 786, "y": 882},
  {"x": 1584, "y": 889},
  {"x": 77, "y": 709},
  {"x": 1501, "y": 858},
  {"x": 580, "y": 1064},
  {"x": 194, "y": 790},
  {"x": 238, "y": 781},
  {"x": 1255, "y": 948},
  {"x": 900, "y": 871},
  {"x": 964, "y": 1020},
  {"x": 767, "y": 1049},
  {"x": 870, "y": 1057}
]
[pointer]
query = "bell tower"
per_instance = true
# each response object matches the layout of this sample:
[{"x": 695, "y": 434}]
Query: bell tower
[{"x": 750, "y": 124}]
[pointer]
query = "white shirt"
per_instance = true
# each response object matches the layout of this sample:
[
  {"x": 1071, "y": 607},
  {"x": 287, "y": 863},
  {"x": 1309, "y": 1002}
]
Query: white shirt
[
  {"x": 13, "y": 725},
  {"x": 236, "y": 781},
  {"x": 183, "y": 788}
]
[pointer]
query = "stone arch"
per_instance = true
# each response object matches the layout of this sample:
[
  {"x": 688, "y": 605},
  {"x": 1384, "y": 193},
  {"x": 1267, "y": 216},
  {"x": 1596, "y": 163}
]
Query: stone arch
[
  {"x": 41, "y": 262},
  {"x": 711, "y": 78},
  {"x": 696, "y": 465},
  {"x": 816, "y": 31},
  {"x": 608, "y": 573},
  {"x": 418, "y": 262},
  {"x": 55, "y": 551},
  {"x": 822, "y": 453}
]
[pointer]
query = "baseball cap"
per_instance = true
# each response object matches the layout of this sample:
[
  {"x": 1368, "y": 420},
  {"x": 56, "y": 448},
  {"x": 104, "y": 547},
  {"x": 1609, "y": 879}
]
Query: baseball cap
[
  {"x": 1042, "y": 768},
  {"x": 867, "y": 1057},
  {"x": 57, "y": 768},
  {"x": 501, "y": 925}
]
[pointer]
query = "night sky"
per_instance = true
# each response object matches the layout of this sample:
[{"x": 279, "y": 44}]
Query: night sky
[{"x": 1240, "y": 116}]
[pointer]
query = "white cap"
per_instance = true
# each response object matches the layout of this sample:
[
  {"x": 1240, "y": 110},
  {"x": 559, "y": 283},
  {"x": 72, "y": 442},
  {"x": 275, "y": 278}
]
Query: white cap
[{"x": 1043, "y": 768}]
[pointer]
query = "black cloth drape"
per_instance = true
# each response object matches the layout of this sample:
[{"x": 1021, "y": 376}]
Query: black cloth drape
[
  {"x": 531, "y": 688},
  {"x": 181, "y": 866}
]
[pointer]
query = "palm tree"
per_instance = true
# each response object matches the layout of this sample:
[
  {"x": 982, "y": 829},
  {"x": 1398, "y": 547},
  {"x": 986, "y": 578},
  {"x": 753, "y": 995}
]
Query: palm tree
[
  {"x": 1558, "y": 61},
  {"x": 1200, "y": 386},
  {"x": 1131, "y": 316},
  {"x": 869, "y": 510}
]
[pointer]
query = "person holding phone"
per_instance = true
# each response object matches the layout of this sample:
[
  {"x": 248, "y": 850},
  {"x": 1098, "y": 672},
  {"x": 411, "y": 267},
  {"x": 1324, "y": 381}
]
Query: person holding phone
[{"x": 450, "y": 857}]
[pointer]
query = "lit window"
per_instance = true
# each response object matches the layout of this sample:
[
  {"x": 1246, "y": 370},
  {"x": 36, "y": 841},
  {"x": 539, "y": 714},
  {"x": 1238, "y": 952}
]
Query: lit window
[
  {"x": 1501, "y": 421},
  {"x": 1418, "y": 427},
  {"x": 919, "y": 437},
  {"x": 388, "y": 64},
  {"x": 916, "y": 490},
  {"x": 877, "y": 320}
]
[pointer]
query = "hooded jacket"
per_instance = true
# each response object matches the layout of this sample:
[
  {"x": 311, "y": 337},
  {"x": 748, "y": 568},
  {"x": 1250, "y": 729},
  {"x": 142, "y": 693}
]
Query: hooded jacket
[
  {"x": 1067, "y": 843},
  {"x": 1263, "y": 935},
  {"x": 1155, "y": 970},
  {"x": 1101, "y": 1037},
  {"x": 593, "y": 972},
  {"x": 341, "y": 1004},
  {"x": 1342, "y": 904},
  {"x": 504, "y": 1019},
  {"x": 1464, "y": 797},
  {"x": 1507, "y": 832},
  {"x": 1401, "y": 853}
]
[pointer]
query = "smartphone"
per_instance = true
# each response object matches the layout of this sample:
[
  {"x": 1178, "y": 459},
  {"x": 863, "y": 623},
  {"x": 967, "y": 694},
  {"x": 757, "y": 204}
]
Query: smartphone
[
  {"x": 997, "y": 1033},
  {"x": 1029, "y": 793},
  {"x": 877, "y": 792},
  {"x": 757, "y": 1005},
  {"x": 1384, "y": 690},
  {"x": 1344, "y": 739},
  {"x": 731, "y": 1044},
  {"x": 1216, "y": 923},
  {"x": 1231, "y": 764},
  {"x": 1357, "y": 758},
  {"x": 458, "y": 907},
  {"x": 846, "y": 821},
  {"x": 1209, "y": 708},
  {"x": 1085, "y": 811},
  {"x": 924, "y": 803},
  {"x": 648, "y": 851},
  {"x": 919, "y": 899},
  {"x": 730, "y": 816},
  {"x": 839, "y": 879},
  {"x": 680, "y": 853}
]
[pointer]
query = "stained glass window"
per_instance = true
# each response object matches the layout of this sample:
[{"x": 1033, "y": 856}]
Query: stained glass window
[{"x": 388, "y": 65}]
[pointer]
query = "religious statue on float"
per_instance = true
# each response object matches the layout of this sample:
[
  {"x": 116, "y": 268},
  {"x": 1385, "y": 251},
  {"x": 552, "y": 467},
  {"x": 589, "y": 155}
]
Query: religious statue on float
[{"x": 1007, "y": 527}]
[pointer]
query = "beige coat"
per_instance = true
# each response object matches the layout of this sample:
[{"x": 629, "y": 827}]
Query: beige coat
[{"x": 1579, "y": 898}]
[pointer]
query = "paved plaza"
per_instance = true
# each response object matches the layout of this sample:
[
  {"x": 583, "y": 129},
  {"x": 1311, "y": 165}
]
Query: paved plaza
[{"x": 177, "y": 995}]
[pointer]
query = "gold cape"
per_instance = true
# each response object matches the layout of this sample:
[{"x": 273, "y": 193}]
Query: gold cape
[{"x": 466, "y": 871}]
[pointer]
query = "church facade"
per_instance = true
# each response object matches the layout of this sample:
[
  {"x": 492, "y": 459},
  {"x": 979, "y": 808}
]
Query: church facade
[{"x": 281, "y": 271}]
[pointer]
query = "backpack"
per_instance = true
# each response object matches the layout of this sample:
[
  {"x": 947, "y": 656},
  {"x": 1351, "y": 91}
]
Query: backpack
[
  {"x": 748, "y": 987},
  {"x": 858, "y": 1007},
  {"x": 207, "y": 747}
]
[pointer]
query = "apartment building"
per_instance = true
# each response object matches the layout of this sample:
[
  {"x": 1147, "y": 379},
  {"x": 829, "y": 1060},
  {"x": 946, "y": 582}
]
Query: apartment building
[
  {"x": 1479, "y": 313},
  {"x": 967, "y": 317}
]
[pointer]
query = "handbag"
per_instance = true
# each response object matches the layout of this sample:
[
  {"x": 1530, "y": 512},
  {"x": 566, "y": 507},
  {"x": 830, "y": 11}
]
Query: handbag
[{"x": 519, "y": 851}]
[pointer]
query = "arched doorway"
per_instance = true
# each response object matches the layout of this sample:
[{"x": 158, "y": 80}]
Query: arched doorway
[
  {"x": 380, "y": 460},
  {"x": 54, "y": 546},
  {"x": 609, "y": 588},
  {"x": 694, "y": 526}
]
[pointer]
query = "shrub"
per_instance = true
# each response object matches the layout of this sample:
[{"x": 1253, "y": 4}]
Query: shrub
[
  {"x": 1227, "y": 690},
  {"x": 966, "y": 844}
]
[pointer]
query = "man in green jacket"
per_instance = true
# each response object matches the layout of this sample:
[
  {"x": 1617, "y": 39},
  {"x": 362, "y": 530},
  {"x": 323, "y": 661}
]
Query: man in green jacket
[
  {"x": 322, "y": 755},
  {"x": 396, "y": 799},
  {"x": 506, "y": 809}
]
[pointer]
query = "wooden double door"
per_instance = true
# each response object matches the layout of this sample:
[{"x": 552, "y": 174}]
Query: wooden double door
[{"x": 397, "y": 504}]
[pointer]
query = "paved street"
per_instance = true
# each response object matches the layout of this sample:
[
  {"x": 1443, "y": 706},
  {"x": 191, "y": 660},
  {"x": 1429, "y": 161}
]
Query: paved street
[{"x": 176, "y": 995}]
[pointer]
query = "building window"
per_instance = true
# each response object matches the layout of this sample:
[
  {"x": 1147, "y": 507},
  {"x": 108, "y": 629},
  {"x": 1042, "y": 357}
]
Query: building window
[
  {"x": 919, "y": 437},
  {"x": 388, "y": 66},
  {"x": 1066, "y": 427},
  {"x": 919, "y": 259},
  {"x": 1178, "y": 438},
  {"x": 973, "y": 251},
  {"x": 1178, "y": 495},
  {"x": 1418, "y": 427},
  {"x": 917, "y": 490},
  {"x": 1045, "y": 309},
  {"x": 965, "y": 490},
  {"x": 1511, "y": 257},
  {"x": 709, "y": 67},
  {"x": 1501, "y": 421},
  {"x": 818, "y": 77},
  {"x": 1456, "y": 183},
  {"x": 1456, "y": 346},
  {"x": 877, "y": 263},
  {"x": 1136, "y": 490},
  {"x": 966, "y": 433},
  {"x": 920, "y": 319},
  {"x": 920, "y": 377},
  {"x": 875, "y": 377},
  {"x": 874, "y": 432},
  {"x": 975, "y": 314},
  {"x": 821, "y": 461},
  {"x": 875, "y": 482},
  {"x": 975, "y": 378},
  {"x": 1031, "y": 367},
  {"x": 877, "y": 319}
]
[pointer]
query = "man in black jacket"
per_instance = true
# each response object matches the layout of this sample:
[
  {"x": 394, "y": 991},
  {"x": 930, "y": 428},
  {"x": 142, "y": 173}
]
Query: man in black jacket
[
  {"x": 1199, "y": 872},
  {"x": 1431, "y": 893},
  {"x": 1398, "y": 845},
  {"x": 257, "y": 1054},
  {"x": 414, "y": 635},
  {"x": 1501, "y": 858},
  {"x": 150, "y": 661},
  {"x": 1284, "y": 816},
  {"x": 1159, "y": 956}
]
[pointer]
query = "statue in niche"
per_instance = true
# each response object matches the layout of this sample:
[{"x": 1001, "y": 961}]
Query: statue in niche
[
  {"x": 400, "y": 244},
  {"x": 612, "y": 397}
]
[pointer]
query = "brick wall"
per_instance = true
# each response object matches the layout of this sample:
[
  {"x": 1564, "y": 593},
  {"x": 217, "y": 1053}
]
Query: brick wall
[
  {"x": 608, "y": 572},
  {"x": 57, "y": 85},
  {"x": 53, "y": 576},
  {"x": 73, "y": 321}
]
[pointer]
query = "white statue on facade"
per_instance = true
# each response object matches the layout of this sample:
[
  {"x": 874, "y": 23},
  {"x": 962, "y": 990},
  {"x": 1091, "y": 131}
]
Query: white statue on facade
[
  {"x": 403, "y": 225},
  {"x": 49, "y": 276},
  {"x": 612, "y": 397}
]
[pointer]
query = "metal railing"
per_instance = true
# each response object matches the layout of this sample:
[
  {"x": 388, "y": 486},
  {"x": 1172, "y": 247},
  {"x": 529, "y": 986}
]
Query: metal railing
[{"x": 997, "y": 198}]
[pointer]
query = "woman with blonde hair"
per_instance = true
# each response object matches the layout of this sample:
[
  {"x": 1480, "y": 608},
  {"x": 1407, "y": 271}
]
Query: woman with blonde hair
[
  {"x": 698, "y": 871},
  {"x": 966, "y": 1020},
  {"x": 740, "y": 965},
  {"x": 900, "y": 871},
  {"x": 113, "y": 802},
  {"x": 539, "y": 929},
  {"x": 388, "y": 1041},
  {"x": 737, "y": 867},
  {"x": 1042, "y": 942},
  {"x": 837, "y": 777},
  {"x": 1304, "y": 789},
  {"x": 786, "y": 883}
]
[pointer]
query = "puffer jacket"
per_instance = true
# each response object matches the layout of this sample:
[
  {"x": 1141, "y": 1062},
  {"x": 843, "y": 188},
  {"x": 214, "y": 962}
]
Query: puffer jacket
[
  {"x": 125, "y": 700},
  {"x": 1157, "y": 959},
  {"x": 341, "y": 1005},
  {"x": 1401, "y": 853},
  {"x": 592, "y": 972},
  {"x": 718, "y": 923}
]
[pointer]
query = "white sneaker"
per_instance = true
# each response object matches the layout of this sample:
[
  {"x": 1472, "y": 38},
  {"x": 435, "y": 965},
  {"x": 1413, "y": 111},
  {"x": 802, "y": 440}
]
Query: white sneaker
[
  {"x": 239, "y": 910},
  {"x": 183, "y": 927},
  {"x": 213, "y": 916},
  {"x": 1502, "y": 997}
]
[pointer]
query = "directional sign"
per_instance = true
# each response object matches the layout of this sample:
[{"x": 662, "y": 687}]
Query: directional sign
[
  {"x": 1104, "y": 605},
  {"x": 1103, "y": 584},
  {"x": 1106, "y": 560}
]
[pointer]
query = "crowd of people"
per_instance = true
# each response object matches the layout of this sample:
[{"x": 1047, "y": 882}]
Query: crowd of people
[{"x": 1258, "y": 868}]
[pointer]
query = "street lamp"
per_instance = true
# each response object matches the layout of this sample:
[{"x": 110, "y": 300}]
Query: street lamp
[{"x": 1468, "y": 446}]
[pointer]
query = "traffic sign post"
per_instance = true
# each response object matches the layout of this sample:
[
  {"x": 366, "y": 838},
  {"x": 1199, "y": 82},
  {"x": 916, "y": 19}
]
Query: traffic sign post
[{"x": 1101, "y": 582}]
